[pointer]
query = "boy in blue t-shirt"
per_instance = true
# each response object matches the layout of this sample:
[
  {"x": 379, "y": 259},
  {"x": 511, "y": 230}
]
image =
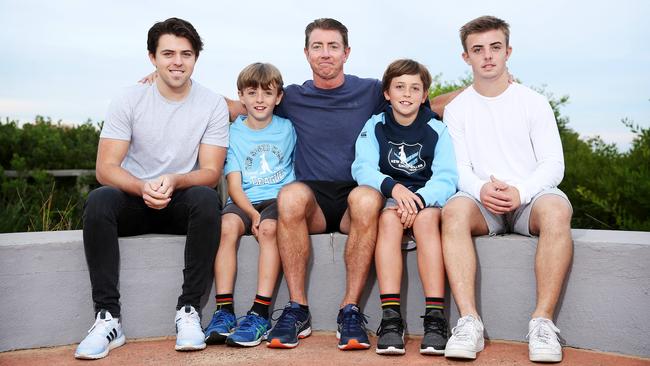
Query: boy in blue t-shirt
[
  {"x": 258, "y": 164},
  {"x": 407, "y": 154}
]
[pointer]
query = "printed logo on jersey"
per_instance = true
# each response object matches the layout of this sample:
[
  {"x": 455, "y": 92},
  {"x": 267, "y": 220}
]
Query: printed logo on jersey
[
  {"x": 261, "y": 161},
  {"x": 405, "y": 157}
]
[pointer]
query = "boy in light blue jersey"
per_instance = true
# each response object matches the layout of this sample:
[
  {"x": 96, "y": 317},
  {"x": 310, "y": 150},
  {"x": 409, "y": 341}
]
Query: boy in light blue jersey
[
  {"x": 407, "y": 155},
  {"x": 258, "y": 164}
]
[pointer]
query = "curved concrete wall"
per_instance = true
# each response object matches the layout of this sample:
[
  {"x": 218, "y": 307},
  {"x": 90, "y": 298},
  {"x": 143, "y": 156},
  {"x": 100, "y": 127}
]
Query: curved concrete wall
[{"x": 45, "y": 289}]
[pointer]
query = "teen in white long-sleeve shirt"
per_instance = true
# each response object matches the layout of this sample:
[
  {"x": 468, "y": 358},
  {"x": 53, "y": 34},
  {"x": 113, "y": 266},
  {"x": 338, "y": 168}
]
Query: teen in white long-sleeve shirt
[{"x": 510, "y": 161}]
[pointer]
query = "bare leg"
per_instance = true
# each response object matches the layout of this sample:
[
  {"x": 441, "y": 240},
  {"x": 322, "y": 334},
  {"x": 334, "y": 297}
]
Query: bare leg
[
  {"x": 461, "y": 219},
  {"x": 362, "y": 215},
  {"x": 225, "y": 264},
  {"x": 299, "y": 215},
  {"x": 551, "y": 219},
  {"x": 426, "y": 229},
  {"x": 388, "y": 254},
  {"x": 269, "y": 259}
]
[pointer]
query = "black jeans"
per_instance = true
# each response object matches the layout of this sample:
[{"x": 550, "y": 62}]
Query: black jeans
[{"x": 110, "y": 213}]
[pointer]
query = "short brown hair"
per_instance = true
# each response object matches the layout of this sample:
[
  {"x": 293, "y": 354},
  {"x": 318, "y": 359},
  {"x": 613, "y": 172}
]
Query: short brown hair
[
  {"x": 484, "y": 24},
  {"x": 260, "y": 74},
  {"x": 326, "y": 24},
  {"x": 406, "y": 67},
  {"x": 177, "y": 27}
]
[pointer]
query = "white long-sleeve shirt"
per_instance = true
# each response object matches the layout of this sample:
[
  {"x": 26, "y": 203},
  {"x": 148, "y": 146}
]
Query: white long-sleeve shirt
[{"x": 513, "y": 137}]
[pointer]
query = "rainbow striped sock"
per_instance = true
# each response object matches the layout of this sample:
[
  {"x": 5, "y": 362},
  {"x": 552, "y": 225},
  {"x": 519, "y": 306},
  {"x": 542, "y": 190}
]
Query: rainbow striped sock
[
  {"x": 261, "y": 305},
  {"x": 225, "y": 302},
  {"x": 390, "y": 301},
  {"x": 434, "y": 303}
]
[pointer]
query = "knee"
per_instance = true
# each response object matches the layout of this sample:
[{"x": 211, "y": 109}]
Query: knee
[
  {"x": 553, "y": 214},
  {"x": 204, "y": 203},
  {"x": 454, "y": 216},
  {"x": 389, "y": 217},
  {"x": 293, "y": 199},
  {"x": 266, "y": 231},
  {"x": 231, "y": 226},
  {"x": 364, "y": 201},
  {"x": 102, "y": 201},
  {"x": 428, "y": 218}
]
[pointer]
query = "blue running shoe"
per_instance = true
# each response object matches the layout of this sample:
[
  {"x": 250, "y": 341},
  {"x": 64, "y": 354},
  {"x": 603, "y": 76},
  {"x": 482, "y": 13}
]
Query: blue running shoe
[
  {"x": 250, "y": 331},
  {"x": 102, "y": 337},
  {"x": 221, "y": 326},
  {"x": 294, "y": 323},
  {"x": 352, "y": 332}
]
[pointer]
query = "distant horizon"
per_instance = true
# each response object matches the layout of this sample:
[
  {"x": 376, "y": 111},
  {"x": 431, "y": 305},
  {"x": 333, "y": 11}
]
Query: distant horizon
[{"x": 70, "y": 70}]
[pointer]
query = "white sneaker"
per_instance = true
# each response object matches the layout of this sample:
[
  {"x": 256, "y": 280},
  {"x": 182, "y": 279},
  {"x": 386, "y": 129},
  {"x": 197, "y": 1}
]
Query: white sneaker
[
  {"x": 103, "y": 336},
  {"x": 466, "y": 338},
  {"x": 543, "y": 342},
  {"x": 189, "y": 335}
]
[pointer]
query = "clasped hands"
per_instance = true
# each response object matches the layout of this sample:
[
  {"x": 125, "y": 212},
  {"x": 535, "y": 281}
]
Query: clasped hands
[
  {"x": 499, "y": 197},
  {"x": 157, "y": 193},
  {"x": 408, "y": 205}
]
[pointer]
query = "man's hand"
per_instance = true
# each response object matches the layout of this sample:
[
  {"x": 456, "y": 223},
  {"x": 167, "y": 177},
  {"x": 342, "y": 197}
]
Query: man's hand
[
  {"x": 511, "y": 191},
  {"x": 149, "y": 79},
  {"x": 499, "y": 197},
  {"x": 157, "y": 193}
]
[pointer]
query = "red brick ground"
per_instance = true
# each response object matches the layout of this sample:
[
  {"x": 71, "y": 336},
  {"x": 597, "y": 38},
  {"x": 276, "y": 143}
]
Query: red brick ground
[{"x": 319, "y": 349}]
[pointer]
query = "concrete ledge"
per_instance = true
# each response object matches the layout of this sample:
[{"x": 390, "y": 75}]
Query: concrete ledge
[{"x": 45, "y": 288}]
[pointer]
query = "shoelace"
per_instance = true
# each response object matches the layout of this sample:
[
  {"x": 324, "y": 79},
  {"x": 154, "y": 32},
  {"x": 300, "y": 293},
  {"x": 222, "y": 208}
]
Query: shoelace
[
  {"x": 434, "y": 325},
  {"x": 544, "y": 329},
  {"x": 354, "y": 319},
  {"x": 188, "y": 319},
  {"x": 394, "y": 325},
  {"x": 287, "y": 318},
  {"x": 250, "y": 322},
  {"x": 222, "y": 316},
  {"x": 466, "y": 327}
]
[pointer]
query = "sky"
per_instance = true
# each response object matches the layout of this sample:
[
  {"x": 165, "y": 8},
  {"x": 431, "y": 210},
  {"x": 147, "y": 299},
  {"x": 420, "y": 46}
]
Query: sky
[{"x": 66, "y": 59}]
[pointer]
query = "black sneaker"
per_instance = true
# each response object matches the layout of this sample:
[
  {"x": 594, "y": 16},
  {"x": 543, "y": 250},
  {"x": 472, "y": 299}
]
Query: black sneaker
[
  {"x": 391, "y": 334},
  {"x": 435, "y": 333}
]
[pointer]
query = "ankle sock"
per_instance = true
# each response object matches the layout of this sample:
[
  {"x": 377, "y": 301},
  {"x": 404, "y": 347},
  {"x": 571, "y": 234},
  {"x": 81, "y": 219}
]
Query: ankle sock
[
  {"x": 261, "y": 306},
  {"x": 225, "y": 302},
  {"x": 391, "y": 301},
  {"x": 434, "y": 303}
]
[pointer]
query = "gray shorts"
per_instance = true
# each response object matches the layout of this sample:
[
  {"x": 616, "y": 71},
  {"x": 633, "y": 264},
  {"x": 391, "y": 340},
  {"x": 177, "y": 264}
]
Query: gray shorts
[
  {"x": 268, "y": 210},
  {"x": 512, "y": 222}
]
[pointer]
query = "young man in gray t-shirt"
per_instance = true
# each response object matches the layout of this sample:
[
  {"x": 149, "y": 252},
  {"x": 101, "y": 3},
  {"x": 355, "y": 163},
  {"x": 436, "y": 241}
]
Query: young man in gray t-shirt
[{"x": 160, "y": 154}]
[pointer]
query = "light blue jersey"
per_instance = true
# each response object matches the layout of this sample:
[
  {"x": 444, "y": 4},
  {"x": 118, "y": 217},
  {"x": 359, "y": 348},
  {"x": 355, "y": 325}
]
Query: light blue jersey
[{"x": 264, "y": 157}]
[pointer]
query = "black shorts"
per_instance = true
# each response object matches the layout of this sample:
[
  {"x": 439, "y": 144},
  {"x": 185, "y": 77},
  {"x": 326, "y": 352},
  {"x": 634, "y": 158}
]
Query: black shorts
[
  {"x": 268, "y": 210},
  {"x": 332, "y": 197}
]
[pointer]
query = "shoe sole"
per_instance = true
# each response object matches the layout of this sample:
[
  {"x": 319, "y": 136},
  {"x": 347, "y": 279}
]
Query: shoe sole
[
  {"x": 460, "y": 353},
  {"x": 232, "y": 343},
  {"x": 114, "y": 344},
  {"x": 390, "y": 351},
  {"x": 432, "y": 351},
  {"x": 545, "y": 357},
  {"x": 190, "y": 347},
  {"x": 352, "y": 344},
  {"x": 276, "y": 343},
  {"x": 217, "y": 338}
]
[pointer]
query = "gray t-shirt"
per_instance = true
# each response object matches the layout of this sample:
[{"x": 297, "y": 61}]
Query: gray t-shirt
[{"x": 165, "y": 135}]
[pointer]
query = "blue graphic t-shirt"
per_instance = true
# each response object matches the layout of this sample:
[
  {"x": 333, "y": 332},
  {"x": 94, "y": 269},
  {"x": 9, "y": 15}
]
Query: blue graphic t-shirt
[{"x": 263, "y": 157}]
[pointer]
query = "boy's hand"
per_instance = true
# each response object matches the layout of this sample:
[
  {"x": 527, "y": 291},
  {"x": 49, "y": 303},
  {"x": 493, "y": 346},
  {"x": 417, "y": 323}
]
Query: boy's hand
[
  {"x": 149, "y": 79},
  {"x": 255, "y": 226},
  {"x": 408, "y": 204}
]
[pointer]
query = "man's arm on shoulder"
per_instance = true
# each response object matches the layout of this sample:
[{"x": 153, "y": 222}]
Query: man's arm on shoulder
[
  {"x": 108, "y": 169},
  {"x": 439, "y": 103},
  {"x": 235, "y": 108}
]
